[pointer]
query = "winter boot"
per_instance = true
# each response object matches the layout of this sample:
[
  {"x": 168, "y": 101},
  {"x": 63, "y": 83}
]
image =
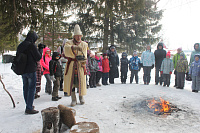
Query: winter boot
[
  {"x": 54, "y": 99},
  {"x": 73, "y": 96},
  {"x": 82, "y": 101}
]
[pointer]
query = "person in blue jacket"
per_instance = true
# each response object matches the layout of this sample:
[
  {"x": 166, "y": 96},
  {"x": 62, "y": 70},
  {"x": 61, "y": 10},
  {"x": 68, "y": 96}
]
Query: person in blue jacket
[
  {"x": 148, "y": 61},
  {"x": 134, "y": 66}
]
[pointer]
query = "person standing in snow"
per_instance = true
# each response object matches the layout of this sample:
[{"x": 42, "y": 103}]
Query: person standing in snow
[
  {"x": 195, "y": 73},
  {"x": 38, "y": 81},
  {"x": 94, "y": 67},
  {"x": 114, "y": 63},
  {"x": 175, "y": 60},
  {"x": 160, "y": 54},
  {"x": 29, "y": 77},
  {"x": 62, "y": 61},
  {"x": 55, "y": 74},
  {"x": 45, "y": 64},
  {"x": 196, "y": 51},
  {"x": 166, "y": 69},
  {"x": 98, "y": 58},
  {"x": 181, "y": 68},
  {"x": 106, "y": 69},
  {"x": 147, "y": 60},
  {"x": 134, "y": 66},
  {"x": 75, "y": 70},
  {"x": 124, "y": 67}
]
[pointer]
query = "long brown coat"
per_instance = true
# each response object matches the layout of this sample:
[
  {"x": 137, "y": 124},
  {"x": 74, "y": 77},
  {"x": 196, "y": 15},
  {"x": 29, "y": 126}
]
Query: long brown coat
[{"x": 68, "y": 78}]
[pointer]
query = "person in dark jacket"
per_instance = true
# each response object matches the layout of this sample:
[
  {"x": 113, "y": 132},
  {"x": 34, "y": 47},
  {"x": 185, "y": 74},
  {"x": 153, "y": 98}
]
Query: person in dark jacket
[
  {"x": 29, "y": 77},
  {"x": 160, "y": 54},
  {"x": 55, "y": 74},
  {"x": 124, "y": 67},
  {"x": 94, "y": 67},
  {"x": 114, "y": 63}
]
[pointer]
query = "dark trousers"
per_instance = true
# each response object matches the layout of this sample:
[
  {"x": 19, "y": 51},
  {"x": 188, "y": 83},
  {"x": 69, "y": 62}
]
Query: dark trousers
[
  {"x": 180, "y": 79},
  {"x": 175, "y": 73},
  {"x": 56, "y": 86},
  {"x": 92, "y": 80},
  {"x": 98, "y": 76},
  {"x": 147, "y": 72},
  {"x": 123, "y": 77},
  {"x": 166, "y": 79},
  {"x": 29, "y": 84},
  {"x": 158, "y": 76},
  {"x": 134, "y": 73},
  {"x": 105, "y": 79}
]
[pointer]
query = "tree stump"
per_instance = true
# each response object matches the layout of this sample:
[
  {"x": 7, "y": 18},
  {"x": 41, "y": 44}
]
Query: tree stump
[
  {"x": 85, "y": 127},
  {"x": 50, "y": 116},
  {"x": 67, "y": 116}
]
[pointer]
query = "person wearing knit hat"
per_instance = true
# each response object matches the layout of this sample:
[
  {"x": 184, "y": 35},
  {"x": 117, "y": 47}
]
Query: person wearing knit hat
[
  {"x": 124, "y": 67},
  {"x": 114, "y": 63},
  {"x": 166, "y": 69},
  {"x": 176, "y": 57},
  {"x": 160, "y": 54},
  {"x": 106, "y": 69},
  {"x": 181, "y": 68},
  {"x": 147, "y": 61},
  {"x": 195, "y": 73},
  {"x": 134, "y": 67},
  {"x": 75, "y": 71}
]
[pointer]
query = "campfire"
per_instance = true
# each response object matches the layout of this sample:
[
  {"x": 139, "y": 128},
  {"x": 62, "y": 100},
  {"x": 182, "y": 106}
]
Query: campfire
[{"x": 161, "y": 107}]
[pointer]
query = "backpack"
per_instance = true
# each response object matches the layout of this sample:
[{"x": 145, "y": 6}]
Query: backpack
[{"x": 19, "y": 63}]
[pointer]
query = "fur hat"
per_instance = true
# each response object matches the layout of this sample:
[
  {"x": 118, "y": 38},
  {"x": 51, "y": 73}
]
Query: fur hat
[
  {"x": 92, "y": 54},
  {"x": 77, "y": 30},
  {"x": 168, "y": 54},
  {"x": 134, "y": 52}
]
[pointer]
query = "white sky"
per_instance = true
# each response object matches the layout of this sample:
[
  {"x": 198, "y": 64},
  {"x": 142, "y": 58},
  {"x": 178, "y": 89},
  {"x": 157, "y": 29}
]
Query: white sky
[{"x": 181, "y": 23}]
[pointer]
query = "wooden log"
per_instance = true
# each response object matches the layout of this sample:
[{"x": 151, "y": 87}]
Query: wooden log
[
  {"x": 67, "y": 116},
  {"x": 85, "y": 127},
  {"x": 50, "y": 116}
]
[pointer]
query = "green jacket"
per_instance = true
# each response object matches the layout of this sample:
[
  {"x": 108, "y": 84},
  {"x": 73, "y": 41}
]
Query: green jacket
[{"x": 176, "y": 58}]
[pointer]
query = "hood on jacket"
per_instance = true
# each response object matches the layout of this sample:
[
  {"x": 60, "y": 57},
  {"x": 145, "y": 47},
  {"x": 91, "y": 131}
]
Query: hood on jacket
[
  {"x": 31, "y": 36},
  {"x": 45, "y": 49},
  {"x": 55, "y": 54},
  {"x": 124, "y": 54},
  {"x": 112, "y": 47},
  {"x": 160, "y": 44},
  {"x": 182, "y": 54},
  {"x": 198, "y": 48},
  {"x": 148, "y": 45}
]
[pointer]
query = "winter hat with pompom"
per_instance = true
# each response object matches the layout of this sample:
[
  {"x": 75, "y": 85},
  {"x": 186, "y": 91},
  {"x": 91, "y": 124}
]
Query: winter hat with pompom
[{"x": 168, "y": 54}]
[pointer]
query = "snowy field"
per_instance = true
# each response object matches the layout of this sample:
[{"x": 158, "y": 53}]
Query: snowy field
[{"x": 115, "y": 108}]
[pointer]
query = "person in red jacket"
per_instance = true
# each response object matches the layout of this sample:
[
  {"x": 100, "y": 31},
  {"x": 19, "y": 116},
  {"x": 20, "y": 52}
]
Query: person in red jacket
[{"x": 106, "y": 69}]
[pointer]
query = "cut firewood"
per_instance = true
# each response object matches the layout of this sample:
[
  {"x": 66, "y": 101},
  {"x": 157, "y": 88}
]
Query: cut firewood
[{"x": 85, "y": 127}]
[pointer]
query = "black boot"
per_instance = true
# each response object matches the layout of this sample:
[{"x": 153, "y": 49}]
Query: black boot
[{"x": 54, "y": 99}]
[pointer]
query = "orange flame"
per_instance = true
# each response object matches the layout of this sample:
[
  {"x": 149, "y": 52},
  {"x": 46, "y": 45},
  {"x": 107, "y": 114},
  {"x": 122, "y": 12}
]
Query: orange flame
[{"x": 159, "y": 106}]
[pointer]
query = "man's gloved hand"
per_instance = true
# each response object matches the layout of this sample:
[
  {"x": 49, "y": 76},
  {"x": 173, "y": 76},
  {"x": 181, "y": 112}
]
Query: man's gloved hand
[
  {"x": 152, "y": 66},
  {"x": 141, "y": 64},
  {"x": 52, "y": 78},
  {"x": 41, "y": 46},
  {"x": 75, "y": 47}
]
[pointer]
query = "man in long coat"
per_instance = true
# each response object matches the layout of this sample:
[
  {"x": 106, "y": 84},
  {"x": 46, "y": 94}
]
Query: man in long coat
[{"x": 75, "y": 70}]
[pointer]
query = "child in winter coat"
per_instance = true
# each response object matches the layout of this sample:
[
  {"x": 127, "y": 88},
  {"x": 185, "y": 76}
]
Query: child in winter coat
[
  {"x": 93, "y": 69},
  {"x": 38, "y": 80},
  {"x": 181, "y": 68},
  {"x": 46, "y": 57},
  {"x": 195, "y": 73},
  {"x": 166, "y": 69},
  {"x": 134, "y": 66},
  {"x": 124, "y": 67},
  {"x": 55, "y": 74},
  {"x": 99, "y": 72},
  {"x": 147, "y": 61},
  {"x": 106, "y": 69}
]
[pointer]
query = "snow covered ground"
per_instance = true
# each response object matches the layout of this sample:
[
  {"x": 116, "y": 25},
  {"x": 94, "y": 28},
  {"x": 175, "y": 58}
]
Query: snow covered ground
[{"x": 115, "y": 108}]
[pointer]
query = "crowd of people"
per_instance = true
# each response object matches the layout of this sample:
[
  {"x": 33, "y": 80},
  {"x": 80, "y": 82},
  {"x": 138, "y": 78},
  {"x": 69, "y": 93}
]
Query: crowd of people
[{"x": 74, "y": 66}]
